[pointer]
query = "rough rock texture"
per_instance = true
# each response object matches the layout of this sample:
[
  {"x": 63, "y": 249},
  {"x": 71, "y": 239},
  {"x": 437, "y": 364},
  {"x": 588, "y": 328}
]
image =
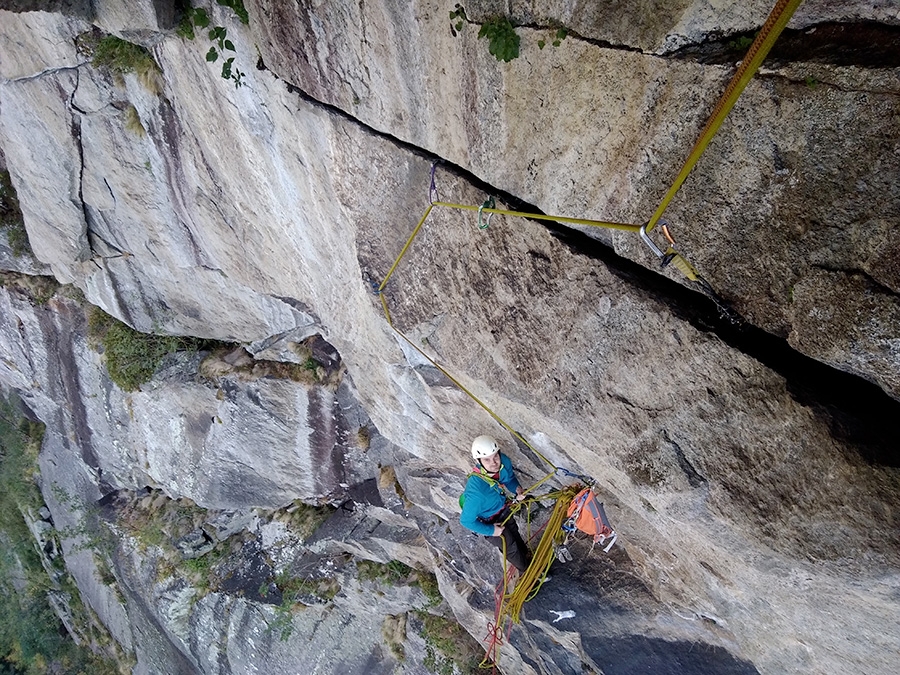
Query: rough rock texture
[
  {"x": 25, "y": 264},
  {"x": 207, "y": 439},
  {"x": 798, "y": 180},
  {"x": 753, "y": 523}
]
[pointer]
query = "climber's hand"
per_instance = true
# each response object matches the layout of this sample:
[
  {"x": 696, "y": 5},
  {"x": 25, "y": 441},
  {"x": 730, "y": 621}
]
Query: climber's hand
[{"x": 498, "y": 530}]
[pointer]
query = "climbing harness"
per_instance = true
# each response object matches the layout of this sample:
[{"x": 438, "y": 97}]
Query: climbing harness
[{"x": 493, "y": 482}]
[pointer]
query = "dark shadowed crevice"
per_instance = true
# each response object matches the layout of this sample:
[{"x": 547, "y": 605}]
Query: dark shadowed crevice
[
  {"x": 76, "y": 8},
  {"x": 65, "y": 369},
  {"x": 856, "y": 410},
  {"x": 641, "y": 654},
  {"x": 75, "y": 126},
  {"x": 574, "y": 35},
  {"x": 694, "y": 478},
  {"x": 864, "y": 45}
]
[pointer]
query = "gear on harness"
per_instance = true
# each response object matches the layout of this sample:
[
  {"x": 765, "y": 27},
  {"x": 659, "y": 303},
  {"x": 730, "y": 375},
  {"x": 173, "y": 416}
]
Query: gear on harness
[
  {"x": 562, "y": 554},
  {"x": 586, "y": 513}
]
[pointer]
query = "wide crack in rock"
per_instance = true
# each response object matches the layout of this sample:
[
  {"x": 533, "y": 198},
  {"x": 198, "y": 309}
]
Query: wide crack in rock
[{"x": 864, "y": 45}]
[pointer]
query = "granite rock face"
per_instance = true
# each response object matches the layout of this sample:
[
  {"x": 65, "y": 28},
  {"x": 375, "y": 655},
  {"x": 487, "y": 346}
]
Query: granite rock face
[
  {"x": 757, "y": 518},
  {"x": 798, "y": 180},
  {"x": 208, "y": 438}
]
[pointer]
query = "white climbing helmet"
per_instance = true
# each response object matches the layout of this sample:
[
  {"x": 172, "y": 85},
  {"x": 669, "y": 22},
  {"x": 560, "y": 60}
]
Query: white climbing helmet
[{"x": 484, "y": 446}]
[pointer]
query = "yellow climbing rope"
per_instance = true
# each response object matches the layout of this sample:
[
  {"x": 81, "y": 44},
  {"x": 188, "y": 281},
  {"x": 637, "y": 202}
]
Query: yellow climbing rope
[
  {"x": 768, "y": 34},
  {"x": 503, "y": 212},
  {"x": 540, "y": 216},
  {"x": 509, "y": 604},
  {"x": 466, "y": 391},
  {"x": 531, "y": 580}
]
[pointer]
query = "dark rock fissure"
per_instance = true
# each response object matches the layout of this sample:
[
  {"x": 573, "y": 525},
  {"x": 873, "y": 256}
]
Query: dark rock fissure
[
  {"x": 694, "y": 478},
  {"x": 864, "y": 44},
  {"x": 83, "y": 9},
  {"x": 573, "y": 35},
  {"x": 75, "y": 122},
  {"x": 856, "y": 410},
  {"x": 59, "y": 342}
]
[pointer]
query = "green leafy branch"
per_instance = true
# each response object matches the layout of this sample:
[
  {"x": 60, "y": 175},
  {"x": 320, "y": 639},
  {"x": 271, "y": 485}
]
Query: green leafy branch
[
  {"x": 237, "y": 6},
  {"x": 219, "y": 36},
  {"x": 192, "y": 16},
  {"x": 502, "y": 37},
  {"x": 197, "y": 17},
  {"x": 558, "y": 37},
  {"x": 503, "y": 41},
  {"x": 458, "y": 19}
]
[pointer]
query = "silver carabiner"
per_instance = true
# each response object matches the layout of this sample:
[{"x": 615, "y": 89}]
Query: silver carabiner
[
  {"x": 563, "y": 555},
  {"x": 647, "y": 240}
]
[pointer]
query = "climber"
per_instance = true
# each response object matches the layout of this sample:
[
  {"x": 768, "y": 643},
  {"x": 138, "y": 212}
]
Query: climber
[{"x": 490, "y": 489}]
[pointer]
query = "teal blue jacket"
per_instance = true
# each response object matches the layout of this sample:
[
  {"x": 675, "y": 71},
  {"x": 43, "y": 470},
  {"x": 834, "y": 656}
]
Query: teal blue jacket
[{"x": 484, "y": 498}]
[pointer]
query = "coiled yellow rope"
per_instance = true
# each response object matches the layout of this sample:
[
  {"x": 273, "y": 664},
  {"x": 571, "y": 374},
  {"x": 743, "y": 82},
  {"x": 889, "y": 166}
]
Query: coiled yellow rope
[{"x": 531, "y": 580}]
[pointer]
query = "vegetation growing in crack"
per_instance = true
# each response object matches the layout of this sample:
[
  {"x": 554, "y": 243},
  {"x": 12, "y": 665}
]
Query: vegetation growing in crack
[
  {"x": 741, "y": 43},
  {"x": 303, "y": 519},
  {"x": 232, "y": 360},
  {"x": 458, "y": 19},
  {"x": 32, "y": 637},
  {"x": 181, "y": 540},
  {"x": 197, "y": 18},
  {"x": 396, "y": 573},
  {"x": 390, "y": 573},
  {"x": 237, "y": 6},
  {"x": 500, "y": 31},
  {"x": 120, "y": 57},
  {"x": 11, "y": 221},
  {"x": 174, "y": 528},
  {"x": 449, "y": 649},
  {"x": 133, "y": 357},
  {"x": 393, "y": 631},
  {"x": 20, "y": 441},
  {"x": 363, "y": 438},
  {"x": 133, "y": 121},
  {"x": 38, "y": 288},
  {"x": 296, "y": 593},
  {"x": 558, "y": 37},
  {"x": 503, "y": 41}
]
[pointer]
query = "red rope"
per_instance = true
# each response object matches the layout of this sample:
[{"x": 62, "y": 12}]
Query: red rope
[{"x": 494, "y": 637}]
